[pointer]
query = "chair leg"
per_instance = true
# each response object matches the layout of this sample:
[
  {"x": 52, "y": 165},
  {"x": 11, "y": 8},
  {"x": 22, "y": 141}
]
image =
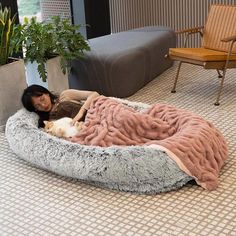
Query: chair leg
[
  {"x": 224, "y": 72},
  {"x": 176, "y": 78},
  {"x": 219, "y": 74},
  {"x": 217, "y": 103}
]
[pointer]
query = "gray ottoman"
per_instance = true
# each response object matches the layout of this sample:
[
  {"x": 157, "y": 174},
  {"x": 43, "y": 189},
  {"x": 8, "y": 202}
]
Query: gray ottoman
[{"x": 120, "y": 64}]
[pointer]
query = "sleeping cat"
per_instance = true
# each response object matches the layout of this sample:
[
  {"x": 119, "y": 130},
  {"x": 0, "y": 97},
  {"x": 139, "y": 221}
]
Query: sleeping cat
[{"x": 62, "y": 127}]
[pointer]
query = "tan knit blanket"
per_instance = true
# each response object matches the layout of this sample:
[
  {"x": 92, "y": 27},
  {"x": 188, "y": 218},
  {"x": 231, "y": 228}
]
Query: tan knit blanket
[{"x": 194, "y": 143}]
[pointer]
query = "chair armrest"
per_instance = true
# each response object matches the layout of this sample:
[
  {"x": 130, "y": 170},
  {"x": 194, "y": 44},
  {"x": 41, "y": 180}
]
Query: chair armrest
[
  {"x": 228, "y": 39},
  {"x": 190, "y": 30}
]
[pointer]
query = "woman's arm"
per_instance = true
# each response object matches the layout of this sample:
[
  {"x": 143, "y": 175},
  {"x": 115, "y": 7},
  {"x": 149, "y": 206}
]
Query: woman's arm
[{"x": 79, "y": 95}]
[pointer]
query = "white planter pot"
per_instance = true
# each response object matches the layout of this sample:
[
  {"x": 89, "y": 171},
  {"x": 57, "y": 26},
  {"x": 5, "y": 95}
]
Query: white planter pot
[
  {"x": 56, "y": 80},
  {"x": 32, "y": 75},
  {"x": 12, "y": 85}
]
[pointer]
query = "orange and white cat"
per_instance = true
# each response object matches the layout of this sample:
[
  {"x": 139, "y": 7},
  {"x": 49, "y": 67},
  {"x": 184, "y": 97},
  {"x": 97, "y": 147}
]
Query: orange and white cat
[{"x": 62, "y": 127}]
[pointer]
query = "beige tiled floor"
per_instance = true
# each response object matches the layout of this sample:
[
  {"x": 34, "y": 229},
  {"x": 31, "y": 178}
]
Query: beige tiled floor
[{"x": 36, "y": 202}]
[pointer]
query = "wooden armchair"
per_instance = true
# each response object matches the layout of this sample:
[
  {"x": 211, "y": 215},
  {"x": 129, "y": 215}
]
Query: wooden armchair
[{"x": 218, "y": 50}]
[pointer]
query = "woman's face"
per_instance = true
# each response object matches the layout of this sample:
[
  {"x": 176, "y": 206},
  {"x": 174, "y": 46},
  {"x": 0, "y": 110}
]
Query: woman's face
[{"x": 42, "y": 103}]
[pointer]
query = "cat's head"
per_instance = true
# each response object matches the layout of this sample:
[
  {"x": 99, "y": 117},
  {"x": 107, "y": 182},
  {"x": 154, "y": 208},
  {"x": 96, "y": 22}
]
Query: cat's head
[
  {"x": 48, "y": 125},
  {"x": 53, "y": 128}
]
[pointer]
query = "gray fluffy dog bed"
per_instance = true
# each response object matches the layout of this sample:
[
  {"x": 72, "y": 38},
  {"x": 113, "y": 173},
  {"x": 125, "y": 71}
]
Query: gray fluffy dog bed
[{"x": 139, "y": 169}]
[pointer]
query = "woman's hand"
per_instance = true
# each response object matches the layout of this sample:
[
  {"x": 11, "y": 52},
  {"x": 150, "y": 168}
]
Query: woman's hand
[{"x": 80, "y": 116}]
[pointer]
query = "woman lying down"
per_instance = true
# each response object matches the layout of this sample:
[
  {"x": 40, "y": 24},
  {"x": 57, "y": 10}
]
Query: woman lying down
[
  {"x": 108, "y": 122},
  {"x": 92, "y": 119}
]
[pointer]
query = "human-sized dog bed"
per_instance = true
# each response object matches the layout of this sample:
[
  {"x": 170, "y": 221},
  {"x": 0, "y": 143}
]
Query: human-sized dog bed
[{"x": 148, "y": 165}]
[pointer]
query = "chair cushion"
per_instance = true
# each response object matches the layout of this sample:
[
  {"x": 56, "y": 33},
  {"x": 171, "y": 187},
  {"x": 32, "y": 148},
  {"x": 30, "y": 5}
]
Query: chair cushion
[{"x": 200, "y": 54}]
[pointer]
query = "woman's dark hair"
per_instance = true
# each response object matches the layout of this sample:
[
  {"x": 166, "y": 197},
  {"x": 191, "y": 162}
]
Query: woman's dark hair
[{"x": 36, "y": 91}]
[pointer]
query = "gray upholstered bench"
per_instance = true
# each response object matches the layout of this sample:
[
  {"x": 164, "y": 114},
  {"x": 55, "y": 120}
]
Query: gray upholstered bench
[{"x": 122, "y": 63}]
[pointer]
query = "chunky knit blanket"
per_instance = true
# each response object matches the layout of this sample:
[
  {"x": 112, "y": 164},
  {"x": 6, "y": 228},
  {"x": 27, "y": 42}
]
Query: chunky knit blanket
[{"x": 195, "y": 144}]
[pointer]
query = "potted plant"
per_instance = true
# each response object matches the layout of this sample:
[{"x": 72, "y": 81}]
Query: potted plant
[
  {"x": 12, "y": 71},
  {"x": 43, "y": 41}
]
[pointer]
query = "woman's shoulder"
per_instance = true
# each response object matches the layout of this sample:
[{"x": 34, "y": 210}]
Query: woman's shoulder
[
  {"x": 74, "y": 94},
  {"x": 66, "y": 93},
  {"x": 69, "y": 94}
]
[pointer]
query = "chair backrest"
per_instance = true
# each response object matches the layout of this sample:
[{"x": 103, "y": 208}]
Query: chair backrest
[{"x": 221, "y": 23}]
